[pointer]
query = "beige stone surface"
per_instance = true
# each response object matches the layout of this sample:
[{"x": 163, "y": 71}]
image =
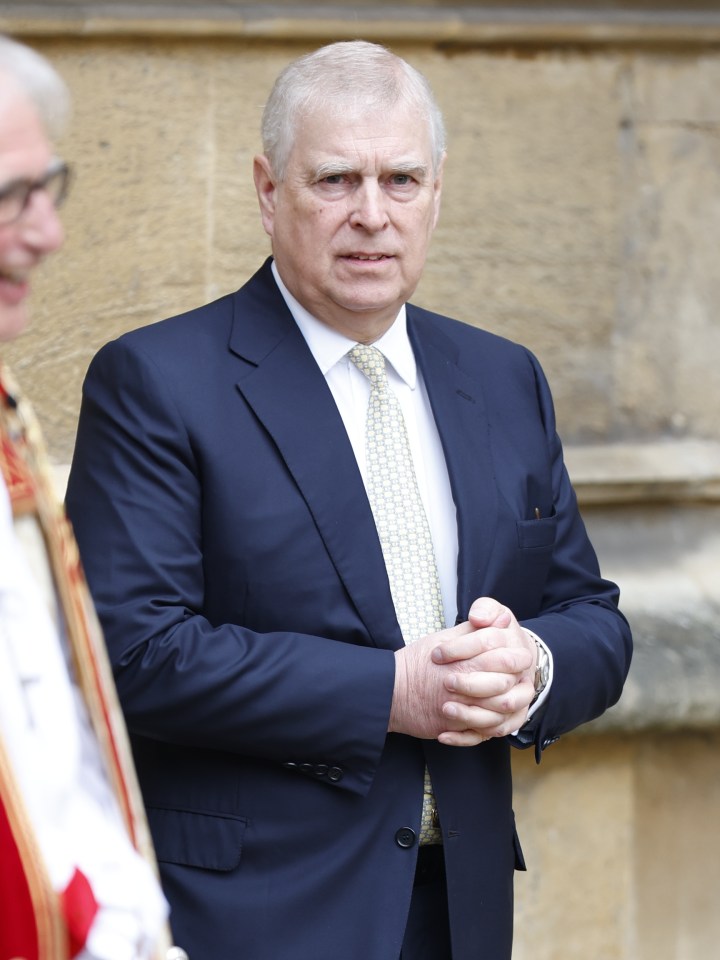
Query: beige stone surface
[
  {"x": 623, "y": 854},
  {"x": 575, "y": 817},
  {"x": 528, "y": 241},
  {"x": 677, "y": 847},
  {"x": 162, "y": 140},
  {"x": 668, "y": 342}
]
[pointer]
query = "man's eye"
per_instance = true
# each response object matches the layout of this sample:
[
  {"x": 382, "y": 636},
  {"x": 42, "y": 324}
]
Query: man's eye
[
  {"x": 333, "y": 178},
  {"x": 401, "y": 179},
  {"x": 13, "y": 192}
]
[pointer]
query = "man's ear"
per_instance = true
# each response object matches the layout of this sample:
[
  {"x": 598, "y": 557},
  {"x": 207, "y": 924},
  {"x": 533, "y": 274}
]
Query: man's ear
[{"x": 265, "y": 187}]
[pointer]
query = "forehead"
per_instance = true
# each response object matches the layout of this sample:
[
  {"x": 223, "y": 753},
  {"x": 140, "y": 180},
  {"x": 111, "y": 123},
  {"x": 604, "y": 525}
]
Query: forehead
[
  {"x": 25, "y": 149},
  {"x": 360, "y": 136}
]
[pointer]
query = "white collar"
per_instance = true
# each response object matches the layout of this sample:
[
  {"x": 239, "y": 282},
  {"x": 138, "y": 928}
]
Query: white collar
[{"x": 329, "y": 347}]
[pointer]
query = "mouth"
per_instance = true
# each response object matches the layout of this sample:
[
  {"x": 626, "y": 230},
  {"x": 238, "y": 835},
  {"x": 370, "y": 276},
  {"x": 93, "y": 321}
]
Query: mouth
[
  {"x": 368, "y": 257},
  {"x": 17, "y": 277},
  {"x": 14, "y": 286}
]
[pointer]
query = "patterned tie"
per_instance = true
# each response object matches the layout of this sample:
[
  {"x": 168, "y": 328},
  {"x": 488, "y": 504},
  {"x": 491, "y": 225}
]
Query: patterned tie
[{"x": 402, "y": 525}]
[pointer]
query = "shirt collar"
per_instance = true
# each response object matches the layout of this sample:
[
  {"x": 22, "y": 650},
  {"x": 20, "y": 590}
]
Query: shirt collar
[{"x": 329, "y": 347}]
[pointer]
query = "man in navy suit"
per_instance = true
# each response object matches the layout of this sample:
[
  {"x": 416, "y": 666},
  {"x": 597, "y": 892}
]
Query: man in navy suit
[{"x": 281, "y": 725}]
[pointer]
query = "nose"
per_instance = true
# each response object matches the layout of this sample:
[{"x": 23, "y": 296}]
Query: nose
[
  {"x": 42, "y": 228},
  {"x": 369, "y": 209}
]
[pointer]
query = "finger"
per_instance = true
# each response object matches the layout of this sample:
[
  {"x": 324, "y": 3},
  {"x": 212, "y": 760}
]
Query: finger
[
  {"x": 457, "y": 646},
  {"x": 512, "y": 660},
  {"x": 480, "y": 685},
  {"x": 481, "y": 675},
  {"x": 460, "y": 716},
  {"x": 487, "y": 612},
  {"x": 480, "y": 641},
  {"x": 462, "y": 738},
  {"x": 508, "y": 704},
  {"x": 471, "y": 735},
  {"x": 472, "y": 643},
  {"x": 451, "y": 633},
  {"x": 487, "y": 723}
]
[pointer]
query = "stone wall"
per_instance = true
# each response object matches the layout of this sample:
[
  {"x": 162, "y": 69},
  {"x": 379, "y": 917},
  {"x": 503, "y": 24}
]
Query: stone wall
[{"x": 581, "y": 215}]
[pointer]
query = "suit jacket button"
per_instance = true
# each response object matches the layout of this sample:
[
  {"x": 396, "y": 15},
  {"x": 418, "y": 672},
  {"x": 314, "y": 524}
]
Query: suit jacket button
[
  {"x": 321, "y": 769},
  {"x": 405, "y": 838},
  {"x": 335, "y": 774}
]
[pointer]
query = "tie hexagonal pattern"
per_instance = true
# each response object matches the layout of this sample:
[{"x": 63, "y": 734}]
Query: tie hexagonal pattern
[{"x": 401, "y": 523}]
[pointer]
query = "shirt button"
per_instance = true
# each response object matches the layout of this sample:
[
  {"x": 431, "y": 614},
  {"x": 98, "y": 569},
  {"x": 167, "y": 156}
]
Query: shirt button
[{"x": 405, "y": 838}]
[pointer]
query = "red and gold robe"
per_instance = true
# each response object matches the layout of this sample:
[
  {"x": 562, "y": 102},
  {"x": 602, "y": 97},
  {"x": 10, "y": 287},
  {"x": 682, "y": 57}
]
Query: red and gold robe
[{"x": 38, "y": 922}]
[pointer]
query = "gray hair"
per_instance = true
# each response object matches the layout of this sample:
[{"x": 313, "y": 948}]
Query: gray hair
[
  {"x": 342, "y": 76},
  {"x": 32, "y": 75}
]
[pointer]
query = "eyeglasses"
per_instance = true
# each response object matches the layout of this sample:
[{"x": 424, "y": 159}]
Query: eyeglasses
[{"x": 15, "y": 197}]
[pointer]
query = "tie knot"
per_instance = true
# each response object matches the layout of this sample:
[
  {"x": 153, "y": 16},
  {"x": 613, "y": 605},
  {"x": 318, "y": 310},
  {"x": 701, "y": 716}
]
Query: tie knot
[{"x": 369, "y": 361}]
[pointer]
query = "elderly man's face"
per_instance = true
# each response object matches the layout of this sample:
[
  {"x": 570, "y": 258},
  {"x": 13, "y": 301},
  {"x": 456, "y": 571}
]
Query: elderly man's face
[
  {"x": 352, "y": 220},
  {"x": 25, "y": 155}
]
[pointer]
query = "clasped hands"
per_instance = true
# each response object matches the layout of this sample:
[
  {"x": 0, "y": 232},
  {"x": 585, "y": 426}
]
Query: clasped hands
[{"x": 468, "y": 683}]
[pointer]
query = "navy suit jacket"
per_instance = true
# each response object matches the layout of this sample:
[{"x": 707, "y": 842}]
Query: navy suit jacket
[{"x": 231, "y": 550}]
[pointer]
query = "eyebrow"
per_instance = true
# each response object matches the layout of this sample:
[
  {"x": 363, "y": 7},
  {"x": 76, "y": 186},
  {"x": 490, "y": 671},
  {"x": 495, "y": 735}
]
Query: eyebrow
[{"x": 332, "y": 167}]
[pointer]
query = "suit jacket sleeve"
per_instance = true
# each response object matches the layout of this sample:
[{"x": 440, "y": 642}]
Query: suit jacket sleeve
[
  {"x": 579, "y": 617},
  {"x": 135, "y": 498},
  {"x": 522, "y": 539}
]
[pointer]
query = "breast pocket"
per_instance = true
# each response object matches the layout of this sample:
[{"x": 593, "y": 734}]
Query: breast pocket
[
  {"x": 537, "y": 534},
  {"x": 529, "y": 566}
]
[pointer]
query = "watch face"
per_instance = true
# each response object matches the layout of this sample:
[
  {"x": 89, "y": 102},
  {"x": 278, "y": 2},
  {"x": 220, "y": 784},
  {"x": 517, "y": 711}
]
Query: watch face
[{"x": 542, "y": 670}]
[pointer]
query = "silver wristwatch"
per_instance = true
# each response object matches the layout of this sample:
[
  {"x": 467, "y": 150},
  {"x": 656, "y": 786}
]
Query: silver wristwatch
[{"x": 542, "y": 670}]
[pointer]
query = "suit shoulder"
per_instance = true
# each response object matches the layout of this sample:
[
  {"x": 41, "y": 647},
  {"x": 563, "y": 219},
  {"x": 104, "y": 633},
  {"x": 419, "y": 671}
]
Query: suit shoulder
[
  {"x": 187, "y": 347},
  {"x": 465, "y": 335},
  {"x": 210, "y": 323},
  {"x": 206, "y": 321}
]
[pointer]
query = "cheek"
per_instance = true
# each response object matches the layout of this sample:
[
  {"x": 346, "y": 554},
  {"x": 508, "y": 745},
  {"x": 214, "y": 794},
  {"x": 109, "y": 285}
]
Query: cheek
[
  {"x": 307, "y": 231},
  {"x": 420, "y": 238},
  {"x": 319, "y": 214},
  {"x": 425, "y": 230},
  {"x": 317, "y": 217}
]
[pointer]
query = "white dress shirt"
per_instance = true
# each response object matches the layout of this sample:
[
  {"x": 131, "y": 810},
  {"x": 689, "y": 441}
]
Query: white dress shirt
[{"x": 351, "y": 391}]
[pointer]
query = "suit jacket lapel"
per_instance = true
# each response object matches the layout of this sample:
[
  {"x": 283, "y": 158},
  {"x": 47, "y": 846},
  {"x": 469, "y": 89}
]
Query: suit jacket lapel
[
  {"x": 460, "y": 414},
  {"x": 289, "y": 395}
]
